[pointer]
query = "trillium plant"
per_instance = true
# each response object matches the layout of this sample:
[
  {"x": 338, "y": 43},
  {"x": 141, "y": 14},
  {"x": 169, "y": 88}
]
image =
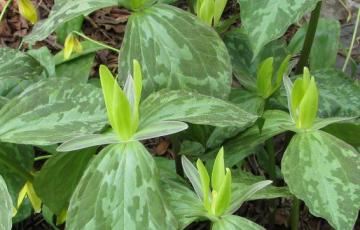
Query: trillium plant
[{"x": 211, "y": 110}]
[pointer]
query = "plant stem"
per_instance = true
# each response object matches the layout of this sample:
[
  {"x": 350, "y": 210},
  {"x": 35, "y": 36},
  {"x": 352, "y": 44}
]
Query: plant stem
[
  {"x": 42, "y": 157},
  {"x": 295, "y": 213},
  {"x": 309, "y": 39},
  {"x": 272, "y": 161},
  {"x": 96, "y": 42},
  {"x": 352, "y": 41},
  {"x": 5, "y": 9}
]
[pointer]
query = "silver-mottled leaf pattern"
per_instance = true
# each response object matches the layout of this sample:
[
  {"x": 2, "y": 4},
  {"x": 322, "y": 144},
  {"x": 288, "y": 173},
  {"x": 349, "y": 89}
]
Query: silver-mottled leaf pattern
[
  {"x": 5, "y": 207},
  {"x": 176, "y": 51},
  {"x": 120, "y": 190},
  {"x": 62, "y": 12},
  {"x": 323, "y": 171},
  {"x": 52, "y": 111},
  {"x": 267, "y": 20},
  {"x": 193, "y": 108}
]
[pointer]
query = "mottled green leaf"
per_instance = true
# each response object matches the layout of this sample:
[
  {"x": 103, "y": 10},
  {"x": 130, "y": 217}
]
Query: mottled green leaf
[
  {"x": 193, "y": 108},
  {"x": 193, "y": 176},
  {"x": 323, "y": 171},
  {"x": 17, "y": 71},
  {"x": 244, "y": 63},
  {"x": 77, "y": 69},
  {"x": 52, "y": 111},
  {"x": 64, "y": 11},
  {"x": 45, "y": 58},
  {"x": 243, "y": 145},
  {"x": 246, "y": 100},
  {"x": 231, "y": 222},
  {"x": 267, "y": 20},
  {"x": 325, "y": 46},
  {"x": 59, "y": 176},
  {"x": 176, "y": 51},
  {"x": 6, "y": 207},
  {"x": 120, "y": 190}
]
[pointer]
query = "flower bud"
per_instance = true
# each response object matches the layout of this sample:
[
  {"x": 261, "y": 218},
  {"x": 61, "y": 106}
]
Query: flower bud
[{"x": 28, "y": 10}]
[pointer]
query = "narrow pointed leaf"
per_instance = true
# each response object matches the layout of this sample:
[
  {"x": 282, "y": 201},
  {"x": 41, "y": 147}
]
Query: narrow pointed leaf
[
  {"x": 120, "y": 190},
  {"x": 224, "y": 196},
  {"x": 323, "y": 171},
  {"x": 193, "y": 175},
  {"x": 205, "y": 182},
  {"x": 218, "y": 171},
  {"x": 159, "y": 129},
  {"x": 89, "y": 140}
]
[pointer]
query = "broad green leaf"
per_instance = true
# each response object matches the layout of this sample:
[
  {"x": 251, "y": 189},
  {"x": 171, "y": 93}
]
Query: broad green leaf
[
  {"x": 245, "y": 144},
  {"x": 176, "y": 51},
  {"x": 64, "y": 11},
  {"x": 346, "y": 131},
  {"x": 77, "y": 69},
  {"x": 193, "y": 175},
  {"x": 117, "y": 105},
  {"x": 17, "y": 71},
  {"x": 193, "y": 108},
  {"x": 247, "y": 100},
  {"x": 183, "y": 202},
  {"x": 323, "y": 171},
  {"x": 264, "y": 77},
  {"x": 74, "y": 24},
  {"x": 45, "y": 58},
  {"x": 16, "y": 162},
  {"x": 59, "y": 176},
  {"x": 267, "y": 20},
  {"x": 6, "y": 207},
  {"x": 88, "y": 140},
  {"x": 244, "y": 63},
  {"x": 325, "y": 46},
  {"x": 159, "y": 129},
  {"x": 231, "y": 222},
  {"x": 52, "y": 111},
  {"x": 120, "y": 190}
]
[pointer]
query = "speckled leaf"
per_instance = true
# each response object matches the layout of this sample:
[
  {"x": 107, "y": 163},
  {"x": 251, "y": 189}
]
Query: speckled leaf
[
  {"x": 326, "y": 43},
  {"x": 52, "y": 111},
  {"x": 6, "y": 207},
  {"x": 59, "y": 176},
  {"x": 193, "y": 108},
  {"x": 176, "y": 51},
  {"x": 120, "y": 190},
  {"x": 267, "y": 20},
  {"x": 64, "y": 11},
  {"x": 244, "y": 62},
  {"x": 346, "y": 131},
  {"x": 323, "y": 171},
  {"x": 77, "y": 69},
  {"x": 243, "y": 145},
  {"x": 246, "y": 100},
  {"x": 17, "y": 71},
  {"x": 231, "y": 222}
]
